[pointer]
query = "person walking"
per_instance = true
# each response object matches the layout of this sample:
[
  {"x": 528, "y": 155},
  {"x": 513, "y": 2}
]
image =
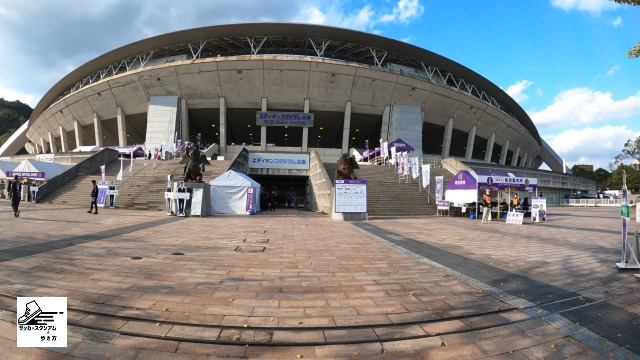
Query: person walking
[
  {"x": 486, "y": 207},
  {"x": 16, "y": 189},
  {"x": 94, "y": 197}
]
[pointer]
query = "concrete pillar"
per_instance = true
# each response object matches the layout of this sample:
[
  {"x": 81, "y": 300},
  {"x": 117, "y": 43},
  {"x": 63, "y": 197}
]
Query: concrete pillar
[
  {"x": 346, "y": 127},
  {"x": 223, "y": 126},
  {"x": 489, "y": 151},
  {"x": 446, "y": 143},
  {"x": 514, "y": 159},
  {"x": 530, "y": 162},
  {"x": 471, "y": 139},
  {"x": 77, "y": 127},
  {"x": 37, "y": 147},
  {"x": 386, "y": 117},
  {"x": 43, "y": 144},
  {"x": 263, "y": 129},
  {"x": 97, "y": 125},
  {"x": 524, "y": 160},
  {"x": 305, "y": 130},
  {"x": 122, "y": 128},
  {"x": 52, "y": 143},
  {"x": 63, "y": 140},
  {"x": 184, "y": 120},
  {"x": 503, "y": 155}
]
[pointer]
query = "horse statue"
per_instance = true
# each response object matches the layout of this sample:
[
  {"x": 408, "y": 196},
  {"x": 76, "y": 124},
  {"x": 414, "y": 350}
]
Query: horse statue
[
  {"x": 346, "y": 165},
  {"x": 194, "y": 165}
]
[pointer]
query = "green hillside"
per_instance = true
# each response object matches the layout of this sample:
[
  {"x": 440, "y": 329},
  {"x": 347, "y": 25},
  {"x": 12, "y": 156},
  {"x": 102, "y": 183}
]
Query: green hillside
[{"x": 12, "y": 115}]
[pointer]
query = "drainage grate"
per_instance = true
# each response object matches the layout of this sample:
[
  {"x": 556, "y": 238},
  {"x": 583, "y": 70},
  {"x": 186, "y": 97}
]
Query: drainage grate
[
  {"x": 255, "y": 231},
  {"x": 177, "y": 254},
  {"x": 136, "y": 258},
  {"x": 249, "y": 249},
  {"x": 256, "y": 240}
]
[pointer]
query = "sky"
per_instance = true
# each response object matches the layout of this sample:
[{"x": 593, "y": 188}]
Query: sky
[{"x": 563, "y": 61}]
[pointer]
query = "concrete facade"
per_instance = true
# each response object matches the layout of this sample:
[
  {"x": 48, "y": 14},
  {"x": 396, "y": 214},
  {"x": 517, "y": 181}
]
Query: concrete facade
[{"x": 358, "y": 90}]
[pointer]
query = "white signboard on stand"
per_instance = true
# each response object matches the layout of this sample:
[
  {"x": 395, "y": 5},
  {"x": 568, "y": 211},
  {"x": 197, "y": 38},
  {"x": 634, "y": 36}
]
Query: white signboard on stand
[
  {"x": 196, "y": 202},
  {"x": 515, "y": 217},
  {"x": 350, "y": 196}
]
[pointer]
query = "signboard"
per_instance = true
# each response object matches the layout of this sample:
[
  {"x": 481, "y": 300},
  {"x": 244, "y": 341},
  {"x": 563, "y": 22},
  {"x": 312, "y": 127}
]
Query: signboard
[
  {"x": 625, "y": 211},
  {"x": 539, "y": 209},
  {"x": 443, "y": 205},
  {"x": 515, "y": 217},
  {"x": 506, "y": 180},
  {"x": 439, "y": 186},
  {"x": 278, "y": 161},
  {"x": 196, "y": 202},
  {"x": 103, "y": 186},
  {"x": 26, "y": 174},
  {"x": 45, "y": 157},
  {"x": 250, "y": 199},
  {"x": 277, "y": 118},
  {"x": 350, "y": 196}
]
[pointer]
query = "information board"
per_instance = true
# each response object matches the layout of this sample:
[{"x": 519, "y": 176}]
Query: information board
[
  {"x": 350, "y": 196},
  {"x": 196, "y": 202},
  {"x": 515, "y": 217}
]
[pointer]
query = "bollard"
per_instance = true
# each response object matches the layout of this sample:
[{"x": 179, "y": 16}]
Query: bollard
[{"x": 634, "y": 248}]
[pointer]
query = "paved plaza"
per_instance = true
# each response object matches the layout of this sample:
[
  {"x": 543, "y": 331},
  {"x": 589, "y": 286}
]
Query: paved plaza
[{"x": 295, "y": 284}]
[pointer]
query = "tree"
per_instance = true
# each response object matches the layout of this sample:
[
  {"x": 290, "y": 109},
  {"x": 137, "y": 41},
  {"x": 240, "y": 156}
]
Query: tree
[
  {"x": 633, "y": 178},
  {"x": 634, "y": 52},
  {"x": 631, "y": 150}
]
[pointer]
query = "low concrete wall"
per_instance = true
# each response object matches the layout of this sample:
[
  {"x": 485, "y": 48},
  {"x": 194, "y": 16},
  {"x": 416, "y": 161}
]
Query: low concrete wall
[
  {"x": 85, "y": 167},
  {"x": 453, "y": 165},
  {"x": 320, "y": 193}
]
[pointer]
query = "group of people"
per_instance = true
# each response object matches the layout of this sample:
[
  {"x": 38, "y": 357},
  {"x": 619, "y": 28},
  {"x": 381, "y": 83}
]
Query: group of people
[
  {"x": 268, "y": 200},
  {"x": 94, "y": 197},
  {"x": 486, "y": 205}
]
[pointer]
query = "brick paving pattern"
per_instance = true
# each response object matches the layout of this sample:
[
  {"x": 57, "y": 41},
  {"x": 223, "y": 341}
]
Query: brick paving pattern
[{"x": 203, "y": 288}]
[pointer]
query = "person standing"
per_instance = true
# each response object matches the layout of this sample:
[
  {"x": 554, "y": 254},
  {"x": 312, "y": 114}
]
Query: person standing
[
  {"x": 94, "y": 197},
  {"x": 34, "y": 193},
  {"x": 272, "y": 201},
  {"x": 16, "y": 189},
  {"x": 289, "y": 198},
  {"x": 181, "y": 189},
  {"x": 514, "y": 203},
  {"x": 486, "y": 207}
]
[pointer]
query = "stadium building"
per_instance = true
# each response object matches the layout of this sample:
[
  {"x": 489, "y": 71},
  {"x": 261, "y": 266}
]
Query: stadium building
[{"x": 290, "y": 89}]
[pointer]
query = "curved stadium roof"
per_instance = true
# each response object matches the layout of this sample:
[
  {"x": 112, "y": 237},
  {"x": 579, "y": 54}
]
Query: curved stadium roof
[{"x": 287, "y": 39}]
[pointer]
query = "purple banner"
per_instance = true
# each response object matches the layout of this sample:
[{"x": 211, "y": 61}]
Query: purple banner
[
  {"x": 26, "y": 174},
  {"x": 250, "y": 199},
  {"x": 103, "y": 186}
]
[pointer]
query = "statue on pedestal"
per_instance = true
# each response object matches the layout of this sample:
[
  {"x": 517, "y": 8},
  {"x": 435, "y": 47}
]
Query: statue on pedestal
[{"x": 346, "y": 165}]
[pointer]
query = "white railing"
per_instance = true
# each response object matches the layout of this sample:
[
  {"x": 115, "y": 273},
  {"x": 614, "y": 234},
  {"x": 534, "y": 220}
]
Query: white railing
[{"x": 594, "y": 202}]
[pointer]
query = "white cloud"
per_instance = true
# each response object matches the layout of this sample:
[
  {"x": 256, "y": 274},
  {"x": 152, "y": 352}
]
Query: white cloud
[
  {"x": 577, "y": 145},
  {"x": 583, "y": 106},
  {"x": 613, "y": 70},
  {"x": 617, "y": 21},
  {"x": 595, "y": 7},
  {"x": 516, "y": 91},
  {"x": 403, "y": 11}
]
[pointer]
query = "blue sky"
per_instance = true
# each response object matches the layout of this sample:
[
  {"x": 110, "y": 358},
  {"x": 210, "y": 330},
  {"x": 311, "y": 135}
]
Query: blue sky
[{"x": 564, "y": 61}]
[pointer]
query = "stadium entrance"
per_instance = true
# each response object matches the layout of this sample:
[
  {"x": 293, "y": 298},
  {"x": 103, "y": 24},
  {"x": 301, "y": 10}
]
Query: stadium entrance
[{"x": 284, "y": 186}]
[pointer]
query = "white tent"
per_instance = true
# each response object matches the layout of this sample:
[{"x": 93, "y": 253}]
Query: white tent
[
  {"x": 33, "y": 169},
  {"x": 7, "y": 166},
  {"x": 229, "y": 193}
]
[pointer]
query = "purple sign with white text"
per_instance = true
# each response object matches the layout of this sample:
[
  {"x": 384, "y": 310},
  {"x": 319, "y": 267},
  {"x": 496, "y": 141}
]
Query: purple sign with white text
[{"x": 250, "y": 199}]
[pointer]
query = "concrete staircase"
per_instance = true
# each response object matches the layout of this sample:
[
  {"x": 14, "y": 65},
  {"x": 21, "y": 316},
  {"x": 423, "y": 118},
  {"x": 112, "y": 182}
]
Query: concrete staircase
[
  {"x": 143, "y": 191},
  {"x": 388, "y": 197}
]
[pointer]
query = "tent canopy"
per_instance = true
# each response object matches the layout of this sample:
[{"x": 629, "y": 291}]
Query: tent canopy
[
  {"x": 38, "y": 169},
  {"x": 401, "y": 145},
  {"x": 229, "y": 193},
  {"x": 7, "y": 166},
  {"x": 463, "y": 188}
]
